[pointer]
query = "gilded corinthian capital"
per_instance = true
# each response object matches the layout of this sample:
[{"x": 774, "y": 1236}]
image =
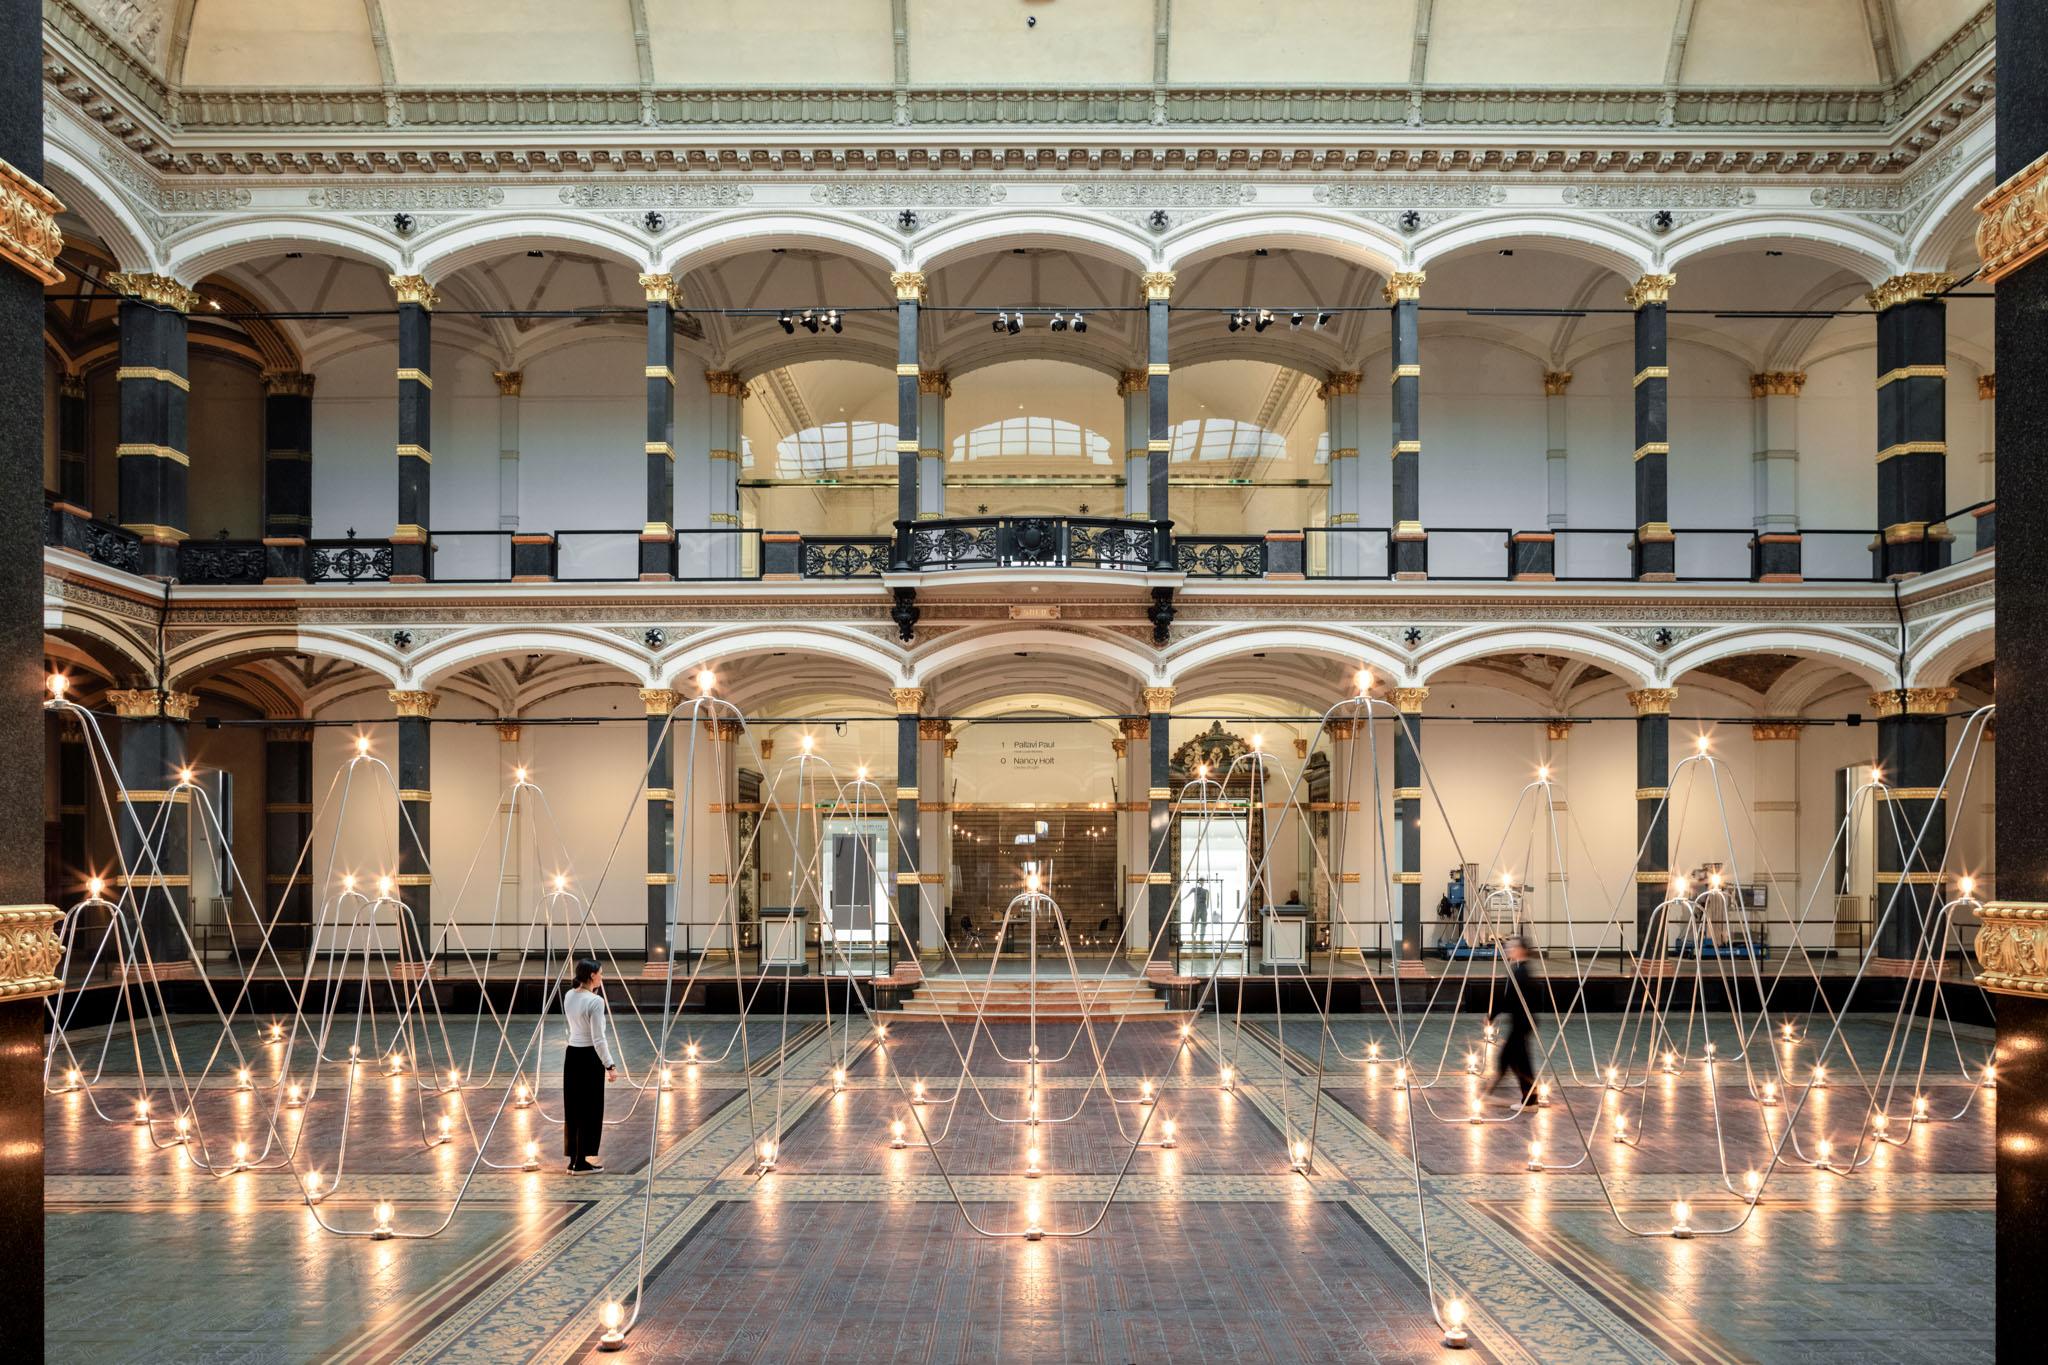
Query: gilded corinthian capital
[{"x": 29, "y": 236}]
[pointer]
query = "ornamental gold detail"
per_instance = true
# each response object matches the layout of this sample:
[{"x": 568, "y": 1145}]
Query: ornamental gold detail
[
  {"x": 1404, "y": 286},
  {"x": 29, "y": 235},
  {"x": 1156, "y": 286},
  {"x": 659, "y": 288},
  {"x": 1912, "y": 701},
  {"x": 1555, "y": 382},
  {"x": 2012, "y": 948},
  {"x": 725, "y": 383},
  {"x": 1408, "y": 700},
  {"x": 2012, "y": 222},
  {"x": 1907, "y": 288},
  {"x": 909, "y": 286},
  {"x": 909, "y": 700},
  {"x": 1651, "y": 289},
  {"x": 415, "y": 289},
  {"x": 659, "y": 701},
  {"x": 1777, "y": 384},
  {"x": 1338, "y": 383},
  {"x": 1653, "y": 701},
  {"x": 413, "y": 704},
  {"x": 30, "y": 950},
  {"x": 161, "y": 290},
  {"x": 1158, "y": 700}
]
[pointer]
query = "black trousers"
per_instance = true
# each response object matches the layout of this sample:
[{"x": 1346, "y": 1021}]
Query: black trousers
[
  {"x": 582, "y": 1103},
  {"x": 1514, "y": 1056}
]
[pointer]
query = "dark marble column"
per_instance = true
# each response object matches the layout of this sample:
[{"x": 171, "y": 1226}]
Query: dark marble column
[
  {"x": 909, "y": 901},
  {"x": 1653, "y": 823},
  {"x": 2013, "y": 944},
  {"x": 152, "y": 465},
  {"x": 74, "y": 471},
  {"x": 287, "y": 826},
  {"x": 1912, "y": 424},
  {"x": 287, "y": 474},
  {"x": 1912, "y": 752},
  {"x": 658, "y": 533},
  {"x": 1409, "y": 948},
  {"x": 415, "y": 879},
  {"x": 29, "y": 244},
  {"x": 1157, "y": 287},
  {"x": 1162, "y": 874},
  {"x": 412, "y": 556},
  {"x": 909, "y": 293},
  {"x": 1408, "y": 549},
  {"x": 1656, "y": 554},
  {"x": 934, "y": 387},
  {"x": 152, "y": 757},
  {"x": 74, "y": 788},
  {"x": 661, "y": 819}
]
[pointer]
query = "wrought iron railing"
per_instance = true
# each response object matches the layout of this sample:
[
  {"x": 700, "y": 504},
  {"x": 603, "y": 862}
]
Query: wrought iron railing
[
  {"x": 1220, "y": 556},
  {"x": 222, "y": 561},
  {"x": 1003, "y": 542},
  {"x": 348, "y": 561},
  {"x": 105, "y": 543},
  {"x": 846, "y": 556}
]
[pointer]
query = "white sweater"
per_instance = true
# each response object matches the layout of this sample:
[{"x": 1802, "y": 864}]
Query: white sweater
[{"x": 589, "y": 1022}]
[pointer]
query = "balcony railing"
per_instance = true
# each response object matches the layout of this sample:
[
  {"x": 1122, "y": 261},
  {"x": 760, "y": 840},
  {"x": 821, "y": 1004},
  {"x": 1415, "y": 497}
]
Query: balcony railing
[{"x": 1574, "y": 554}]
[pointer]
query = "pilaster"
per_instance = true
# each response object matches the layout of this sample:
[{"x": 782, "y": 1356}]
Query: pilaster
[
  {"x": 412, "y": 557},
  {"x": 1408, "y": 551},
  {"x": 1912, "y": 424},
  {"x": 152, "y": 464},
  {"x": 1656, "y": 556}
]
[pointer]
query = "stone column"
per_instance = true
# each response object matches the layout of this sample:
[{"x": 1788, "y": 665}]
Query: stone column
[
  {"x": 1134, "y": 768},
  {"x": 1774, "y": 474},
  {"x": 1912, "y": 752},
  {"x": 1776, "y": 747},
  {"x": 74, "y": 797},
  {"x": 151, "y": 759},
  {"x": 74, "y": 471},
  {"x": 510, "y": 732},
  {"x": 1557, "y": 458},
  {"x": 934, "y": 821},
  {"x": 1344, "y": 555},
  {"x": 30, "y": 241},
  {"x": 904, "y": 855},
  {"x": 933, "y": 389},
  {"x": 1557, "y": 735},
  {"x": 2012, "y": 946},
  {"x": 510, "y": 384},
  {"x": 153, "y": 467},
  {"x": 287, "y": 827},
  {"x": 728, "y": 394},
  {"x": 1656, "y": 554},
  {"x": 1653, "y": 826},
  {"x": 1351, "y": 845},
  {"x": 909, "y": 285},
  {"x": 1131, "y": 386},
  {"x": 1912, "y": 424},
  {"x": 659, "y": 702},
  {"x": 1156, "y": 287},
  {"x": 1409, "y": 947},
  {"x": 287, "y": 474},
  {"x": 1408, "y": 550},
  {"x": 412, "y": 557},
  {"x": 658, "y": 535},
  {"x": 1987, "y": 460},
  {"x": 415, "y": 879},
  {"x": 1161, "y": 874}
]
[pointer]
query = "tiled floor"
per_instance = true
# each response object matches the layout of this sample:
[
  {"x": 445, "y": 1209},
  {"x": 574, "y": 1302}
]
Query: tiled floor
[{"x": 1211, "y": 1250}]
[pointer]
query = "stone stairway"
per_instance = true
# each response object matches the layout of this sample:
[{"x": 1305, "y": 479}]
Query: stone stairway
[{"x": 1009, "y": 999}]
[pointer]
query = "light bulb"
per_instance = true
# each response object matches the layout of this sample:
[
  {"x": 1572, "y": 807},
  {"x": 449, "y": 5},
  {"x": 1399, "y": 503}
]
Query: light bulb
[
  {"x": 348, "y": 881},
  {"x": 58, "y": 683},
  {"x": 276, "y": 1031},
  {"x": 384, "y": 887},
  {"x": 1031, "y": 1163},
  {"x": 1820, "y": 1077},
  {"x": 1300, "y": 1155},
  {"x": 896, "y": 1131},
  {"x": 523, "y": 1096},
  {"x": 362, "y": 745},
  {"x": 1145, "y": 1092},
  {"x": 355, "y": 1051},
  {"x": 1543, "y": 773},
  {"x": 1752, "y": 1185},
  {"x": 1166, "y": 1133},
  {"x": 242, "y": 1081},
  {"x": 382, "y": 1213},
  {"x": 1714, "y": 881},
  {"x": 1700, "y": 745},
  {"x": 446, "y": 1124},
  {"x": 96, "y": 888},
  {"x": 294, "y": 1096},
  {"x": 532, "y": 1155},
  {"x": 561, "y": 883},
  {"x": 1880, "y": 1122},
  {"x": 1535, "y": 1156},
  {"x": 1990, "y": 1076},
  {"x": 1919, "y": 1109},
  {"x": 706, "y": 680},
  {"x": 1786, "y": 1029},
  {"x": 1364, "y": 679},
  {"x": 1821, "y": 1151},
  {"x": 1401, "y": 1076},
  {"x": 1228, "y": 1076},
  {"x": 1770, "y": 1096},
  {"x": 861, "y": 773},
  {"x": 73, "y": 1078},
  {"x": 1031, "y": 883},
  {"x": 1621, "y": 1127},
  {"x": 1471, "y": 1062},
  {"x": 1670, "y": 1059},
  {"x": 313, "y": 1186},
  {"x": 1258, "y": 741},
  {"x": 1968, "y": 886},
  {"x": 241, "y": 1150},
  {"x": 807, "y": 742},
  {"x": 1613, "y": 1078},
  {"x": 767, "y": 1151},
  {"x": 519, "y": 774},
  {"x": 881, "y": 1031},
  {"x": 1372, "y": 1052},
  {"x": 917, "y": 1093},
  {"x": 667, "y": 1078},
  {"x": 1681, "y": 1218},
  {"x": 838, "y": 1079},
  {"x": 1455, "y": 1336},
  {"x": 613, "y": 1317},
  {"x": 184, "y": 1126},
  {"x": 454, "y": 1078},
  {"x": 690, "y": 1051},
  {"x": 185, "y": 776}
]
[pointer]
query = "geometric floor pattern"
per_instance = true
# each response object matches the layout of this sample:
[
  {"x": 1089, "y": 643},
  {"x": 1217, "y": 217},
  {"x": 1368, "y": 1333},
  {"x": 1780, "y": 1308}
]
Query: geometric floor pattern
[{"x": 1213, "y": 1251}]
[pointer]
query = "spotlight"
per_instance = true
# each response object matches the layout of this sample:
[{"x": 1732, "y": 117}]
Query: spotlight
[
  {"x": 1079, "y": 324},
  {"x": 787, "y": 323},
  {"x": 810, "y": 322},
  {"x": 1059, "y": 322},
  {"x": 1455, "y": 1336},
  {"x": 1000, "y": 324},
  {"x": 382, "y": 1213},
  {"x": 1236, "y": 321},
  {"x": 613, "y": 1316},
  {"x": 1265, "y": 320},
  {"x": 1294, "y": 320},
  {"x": 1322, "y": 321},
  {"x": 1016, "y": 323},
  {"x": 833, "y": 321}
]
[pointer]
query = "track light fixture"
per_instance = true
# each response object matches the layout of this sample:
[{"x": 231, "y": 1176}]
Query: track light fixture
[
  {"x": 832, "y": 319},
  {"x": 1294, "y": 319},
  {"x": 1265, "y": 320},
  {"x": 787, "y": 323},
  {"x": 1000, "y": 324},
  {"x": 1079, "y": 324},
  {"x": 1322, "y": 321},
  {"x": 1016, "y": 323},
  {"x": 1059, "y": 322},
  {"x": 810, "y": 321}
]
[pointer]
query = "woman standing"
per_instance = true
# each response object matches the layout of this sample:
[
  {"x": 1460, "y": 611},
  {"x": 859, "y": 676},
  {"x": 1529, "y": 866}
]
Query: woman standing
[{"x": 587, "y": 1066}]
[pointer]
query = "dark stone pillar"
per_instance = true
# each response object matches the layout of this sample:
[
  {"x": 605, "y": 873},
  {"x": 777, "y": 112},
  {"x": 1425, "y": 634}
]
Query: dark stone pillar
[
  {"x": 1912, "y": 425},
  {"x": 909, "y": 703},
  {"x": 1656, "y": 555},
  {"x": 287, "y": 826},
  {"x": 1158, "y": 292},
  {"x": 74, "y": 472},
  {"x": 658, "y": 534},
  {"x": 287, "y": 474},
  {"x": 661, "y": 820},
  {"x": 29, "y": 243},
  {"x": 1408, "y": 949},
  {"x": 152, "y": 464},
  {"x": 909, "y": 292},
  {"x": 74, "y": 786},
  {"x": 1653, "y": 824},
  {"x": 152, "y": 753},
  {"x": 1912, "y": 752},
  {"x": 2013, "y": 256},
  {"x": 415, "y": 880},
  {"x": 412, "y": 557},
  {"x": 1162, "y": 873},
  {"x": 1408, "y": 549}
]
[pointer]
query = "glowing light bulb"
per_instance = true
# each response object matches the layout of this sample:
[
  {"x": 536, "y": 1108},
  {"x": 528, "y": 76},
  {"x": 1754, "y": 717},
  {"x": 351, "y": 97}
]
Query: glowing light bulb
[
  {"x": 1752, "y": 1185},
  {"x": 454, "y": 1078},
  {"x": 706, "y": 680},
  {"x": 1401, "y": 1076},
  {"x": 1145, "y": 1092},
  {"x": 1474, "y": 1110},
  {"x": 1166, "y": 1132},
  {"x": 613, "y": 1317},
  {"x": 861, "y": 773},
  {"x": 1471, "y": 1061},
  {"x": 348, "y": 881},
  {"x": 1714, "y": 881},
  {"x": 1488, "y": 1031},
  {"x": 523, "y": 1096},
  {"x": 1186, "y": 1030},
  {"x": 242, "y": 1080},
  {"x": 58, "y": 684},
  {"x": 1031, "y": 1170},
  {"x": 690, "y": 1051},
  {"x": 1202, "y": 770},
  {"x": 807, "y": 743},
  {"x": 1455, "y": 1335},
  {"x": 276, "y": 1030},
  {"x": 72, "y": 1078},
  {"x": 447, "y": 1124},
  {"x": 1031, "y": 883},
  {"x": 881, "y": 1032},
  {"x": 917, "y": 1092},
  {"x": 668, "y": 1077},
  {"x": 1681, "y": 1218},
  {"x": 1820, "y": 1077},
  {"x": 767, "y": 1153},
  {"x": 1968, "y": 886},
  {"x": 532, "y": 1162},
  {"x": 241, "y": 1154},
  {"x": 1678, "y": 886},
  {"x": 1700, "y": 745},
  {"x": 1228, "y": 1075},
  {"x": 1822, "y": 1150},
  {"x": 96, "y": 888},
  {"x": 1881, "y": 1122},
  {"x": 394, "y": 1064},
  {"x": 313, "y": 1194},
  {"x": 1258, "y": 741},
  {"x": 561, "y": 883},
  {"x": 294, "y": 1095},
  {"x": 1613, "y": 1078},
  {"x": 384, "y": 887},
  {"x": 1535, "y": 1156},
  {"x": 382, "y": 1213},
  {"x": 1300, "y": 1156},
  {"x": 362, "y": 745},
  {"x": 1786, "y": 1030},
  {"x": 838, "y": 1079},
  {"x": 1919, "y": 1109},
  {"x": 1990, "y": 1076},
  {"x": 1364, "y": 680},
  {"x": 355, "y": 1051},
  {"x": 896, "y": 1131},
  {"x": 519, "y": 774},
  {"x": 1770, "y": 1095},
  {"x": 183, "y": 1125},
  {"x": 1372, "y": 1052},
  {"x": 1621, "y": 1127},
  {"x": 1543, "y": 772},
  {"x": 1710, "y": 1049}
]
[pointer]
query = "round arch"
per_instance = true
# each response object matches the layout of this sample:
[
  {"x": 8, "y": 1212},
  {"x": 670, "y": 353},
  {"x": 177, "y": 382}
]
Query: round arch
[
  {"x": 451, "y": 654},
  {"x": 1853, "y": 654},
  {"x": 101, "y": 637},
  {"x": 212, "y": 653},
  {"x": 737, "y": 233},
  {"x": 441, "y": 253},
  {"x": 1951, "y": 222},
  {"x": 84, "y": 191},
  {"x": 1627, "y": 661},
  {"x": 217, "y": 248},
  {"x": 985, "y": 233},
  {"x": 1348, "y": 647},
  {"x": 1581, "y": 236},
  {"x": 677, "y": 665},
  {"x": 1837, "y": 241},
  {"x": 930, "y": 665},
  {"x": 1959, "y": 643},
  {"x": 1356, "y": 241}
]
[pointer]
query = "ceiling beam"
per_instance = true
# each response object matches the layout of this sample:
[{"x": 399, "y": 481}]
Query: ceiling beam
[
  {"x": 1681, "y": 30},
  {"x": 1883, "y": 25},
  {"x": 1418, "y": 56}
]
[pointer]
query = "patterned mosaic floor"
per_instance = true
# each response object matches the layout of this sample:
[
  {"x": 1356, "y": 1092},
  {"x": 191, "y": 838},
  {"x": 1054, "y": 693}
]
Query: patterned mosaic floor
[{"x": 1210, "y": 1251}]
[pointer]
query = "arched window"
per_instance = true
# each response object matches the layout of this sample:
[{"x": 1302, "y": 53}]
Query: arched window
[
  {"x": 836, "y": 445},
  {"x": 1045, "y": 438},
  {"x": 1208, "y": 439}
]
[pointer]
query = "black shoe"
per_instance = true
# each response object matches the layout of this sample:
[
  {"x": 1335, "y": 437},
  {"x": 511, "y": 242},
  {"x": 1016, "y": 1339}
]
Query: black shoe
[{"x": 578, "y": 1168}]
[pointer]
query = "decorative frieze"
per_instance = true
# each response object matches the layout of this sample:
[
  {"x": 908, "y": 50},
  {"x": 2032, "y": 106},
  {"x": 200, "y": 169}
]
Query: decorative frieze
[
  {"x": 2012, "y": 947},
  {"x": 1906, "y": 288},
  {"x": 160, "y": 290},
  {"x": 1777, "y": 384},
  {"x": 30, "y": 951},
  {"x": 30, "y": 239},
  {"x": 1912, "y": 701}
]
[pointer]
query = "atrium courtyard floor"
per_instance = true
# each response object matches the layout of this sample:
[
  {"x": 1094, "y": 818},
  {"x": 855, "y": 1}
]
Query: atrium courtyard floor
[{"x": 1212, "y": 1250}]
